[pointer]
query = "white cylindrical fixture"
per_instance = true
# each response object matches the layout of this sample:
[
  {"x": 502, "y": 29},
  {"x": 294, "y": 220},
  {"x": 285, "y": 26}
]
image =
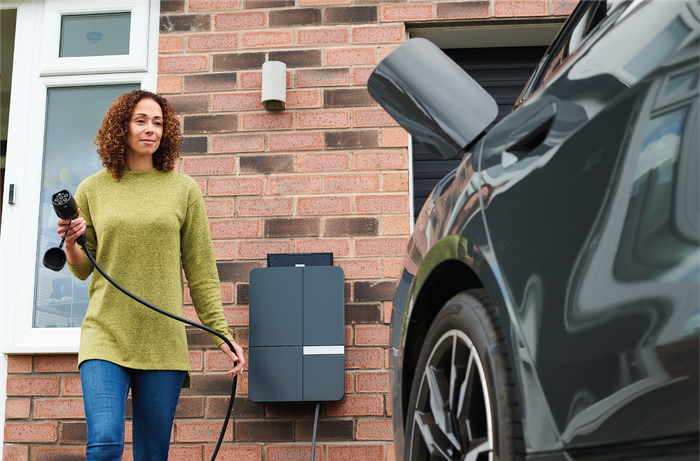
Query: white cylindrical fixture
[{"x": 274, "y": 85}]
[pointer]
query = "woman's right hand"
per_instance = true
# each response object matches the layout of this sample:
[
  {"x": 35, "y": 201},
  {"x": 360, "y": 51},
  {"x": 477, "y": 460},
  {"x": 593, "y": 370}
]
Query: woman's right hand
[{"x": 77, "y": 227}]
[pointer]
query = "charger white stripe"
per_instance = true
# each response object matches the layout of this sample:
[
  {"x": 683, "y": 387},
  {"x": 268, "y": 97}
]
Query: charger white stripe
[{"x": 324, "y": 350}]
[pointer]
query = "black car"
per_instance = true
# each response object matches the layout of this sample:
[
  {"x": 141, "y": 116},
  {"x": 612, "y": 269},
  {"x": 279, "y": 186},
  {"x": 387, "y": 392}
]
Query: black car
[{"x": 549, "y": 307}]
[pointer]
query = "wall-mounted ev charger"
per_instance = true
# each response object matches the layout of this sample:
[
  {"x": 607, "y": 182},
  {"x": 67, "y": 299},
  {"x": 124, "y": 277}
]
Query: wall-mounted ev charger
[{"x": 297, "y": 331}]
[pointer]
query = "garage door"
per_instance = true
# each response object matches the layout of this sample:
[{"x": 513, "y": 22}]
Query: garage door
[{"x": 503, "y": 72}]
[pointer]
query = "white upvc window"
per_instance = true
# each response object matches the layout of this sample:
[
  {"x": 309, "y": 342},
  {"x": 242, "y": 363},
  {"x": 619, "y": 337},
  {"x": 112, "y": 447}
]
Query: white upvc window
[{"x": 71, "y": 59}]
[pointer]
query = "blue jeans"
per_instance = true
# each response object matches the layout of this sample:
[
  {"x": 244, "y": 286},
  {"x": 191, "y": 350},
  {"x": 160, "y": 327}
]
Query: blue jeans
[{"x": 154, "y": 396}]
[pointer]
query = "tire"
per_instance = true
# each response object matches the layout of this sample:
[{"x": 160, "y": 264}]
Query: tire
[{"x": 462, "y": 403}]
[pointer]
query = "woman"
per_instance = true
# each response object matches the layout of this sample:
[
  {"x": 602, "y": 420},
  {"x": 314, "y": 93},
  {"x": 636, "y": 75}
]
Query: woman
[{"x": 144, "y": 223}]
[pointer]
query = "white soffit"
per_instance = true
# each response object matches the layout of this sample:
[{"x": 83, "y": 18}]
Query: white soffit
[{"x": 480, "y": 35}]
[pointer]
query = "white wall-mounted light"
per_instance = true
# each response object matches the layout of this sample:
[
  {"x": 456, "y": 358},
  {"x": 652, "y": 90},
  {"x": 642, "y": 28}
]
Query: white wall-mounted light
[{"x": 274, "y": 85}]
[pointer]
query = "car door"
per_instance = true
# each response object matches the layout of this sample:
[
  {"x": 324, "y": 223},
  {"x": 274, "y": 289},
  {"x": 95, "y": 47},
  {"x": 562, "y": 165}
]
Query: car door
[{"x": 591, "y": 217}]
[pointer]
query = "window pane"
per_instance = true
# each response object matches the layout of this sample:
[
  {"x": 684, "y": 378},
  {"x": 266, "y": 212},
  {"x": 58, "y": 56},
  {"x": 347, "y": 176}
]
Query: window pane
[
  {"x": 73, "y": 117},
  {"x": 95, "y": 35}
]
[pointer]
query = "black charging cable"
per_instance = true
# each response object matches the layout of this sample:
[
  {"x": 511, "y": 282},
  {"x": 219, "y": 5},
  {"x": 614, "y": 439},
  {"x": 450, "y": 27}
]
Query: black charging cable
[{"x": 55, "y": 258}]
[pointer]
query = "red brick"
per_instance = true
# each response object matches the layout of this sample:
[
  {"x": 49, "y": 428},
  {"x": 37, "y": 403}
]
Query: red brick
[
  {"x": 323, "y": 162},
  {"x": 236, "y": 186},
  {"x": 360, "y": 269},
  {"x": 373, "y": 117},
  {"x": 291, "y": 452},
  {"x": 201, "y": 432},
  {"x": 520, "y": 8},
  {"x": 360, "y": 75},
  {"x": 235, "y": 229},
  {"x": 395, "y": 181},
  {"x": 15, "y": 453},
  {"x": 197, "y": 360},
  {"x": 323, "y": 119},
  {"x": 323, "y": 205},
  {"x": 227, "y": 293},
  {"x": 350, "y": 384},
  {"x": 185, "y": 453},
  {"x": 371, "y": 335},
  {"x": 238, "y": 453},
  {"x": 339, "y": 248},
  {"x": 381, "y": 246},
  {"x": 219, "y": 208},
  {"x": 382, "y": 204},
  {"x": 378, "y": 34},
  {"x": 386, "y": 50},
  {"x": 31, "y": 432},
  {"x": 357, "y": 405},
  {"x": 351, "y": 56},
  {"x": 218, "y": 361},
  {"x": 394, "y": 137},
  {"x": 236, "y": 315},
  {"x": 58, "y": 408},
  {"x": 19, "y": 363},
  {"x": 564, "y": 7},
  {"x": 265, "y": 206},
  {"x": 374, "y": 430},
  {"x": 237, "y": 101},
  {"x": 240, "y": 20},
  {"x": 32, "y": 386},
  {"x": 308, "y": 99},
  {"x": 392, "y": 268},
  {"x": 205, "y": 166},
  {"x": 463, "y": 10},
  {"x": 363, "y": 358},
  {"x": 72, "y": 385},
  {"x": 390, "y": 454},
  {"x": 223, "y": 251},
  {"x": 17, "y": 408},
  {"x": 267, "y": 39},
  {"x": 173, "y": 64},
  {"x": 320, "y": 77},
  {"x": 242, "y": 384},
  {"x": 203, "y": 42},
  {"x": 169, "y": 43},
  {"x": 381, "y": 161},
  {"x": 322, "y": 36},
  {"x": 373, "y": 382},
  {"x": 259, "y": 250},
  {"x": 57, "y": 453},
  {"x": 267, "y": 121},
  {"x": 392, "y": 13},
  {"x": 355, "y": 452},
  {"x": 169, "y": 84},
  {"x": 213, "y": 4},
  {"x": 351, "y": 183},
  {"x": 295, "y": 185},
  {"x": 294, "y": 141},
  {"x": 237, "y": 143},
  {"x": 348, "y": 336},
  {"x": 396, "y": 225}
]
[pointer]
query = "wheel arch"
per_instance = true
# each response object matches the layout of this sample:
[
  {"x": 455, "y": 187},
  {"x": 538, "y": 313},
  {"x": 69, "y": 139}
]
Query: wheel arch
[{"x": 447, "y": 279}]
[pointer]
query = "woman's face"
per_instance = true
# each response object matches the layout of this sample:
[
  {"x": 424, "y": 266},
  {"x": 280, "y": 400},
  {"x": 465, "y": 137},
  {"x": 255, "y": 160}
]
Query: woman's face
[{"x": 145, "y": 129}]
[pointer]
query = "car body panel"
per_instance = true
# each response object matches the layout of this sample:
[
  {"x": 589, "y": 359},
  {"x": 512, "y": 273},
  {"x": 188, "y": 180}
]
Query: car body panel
[{"x": 604, "y": 335}]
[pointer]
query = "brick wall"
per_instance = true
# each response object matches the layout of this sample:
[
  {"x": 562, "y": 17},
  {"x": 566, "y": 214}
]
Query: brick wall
[{"x": 330, "y": 173}]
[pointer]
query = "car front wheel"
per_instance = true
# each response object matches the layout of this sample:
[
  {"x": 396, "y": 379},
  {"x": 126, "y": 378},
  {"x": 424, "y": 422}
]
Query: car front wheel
[{"x": 461, "y": 404}]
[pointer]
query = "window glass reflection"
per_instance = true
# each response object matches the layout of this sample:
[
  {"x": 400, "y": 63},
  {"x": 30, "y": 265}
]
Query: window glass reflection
[
  {"x": 651, "y": 245},
  {"x": 73, "y": 117},
  {"x": 95, "y": 35}
]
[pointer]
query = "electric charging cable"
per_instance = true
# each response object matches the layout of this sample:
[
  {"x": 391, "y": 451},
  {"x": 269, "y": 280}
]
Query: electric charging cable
[{"x": 55, "y": 258}]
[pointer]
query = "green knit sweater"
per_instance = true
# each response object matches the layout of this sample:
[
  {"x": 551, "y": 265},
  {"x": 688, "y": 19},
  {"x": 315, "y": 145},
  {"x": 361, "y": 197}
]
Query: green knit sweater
[{"x": 143, "y": 231}]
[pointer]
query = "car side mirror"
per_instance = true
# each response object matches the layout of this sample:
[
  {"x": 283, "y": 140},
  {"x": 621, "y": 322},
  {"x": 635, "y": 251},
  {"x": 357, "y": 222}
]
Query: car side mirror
[{"x": 429, "y": 95}]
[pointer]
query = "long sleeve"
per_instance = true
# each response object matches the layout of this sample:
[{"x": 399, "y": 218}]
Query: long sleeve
[
  {"x": 84, "y": 270},
  {"x": 199, "y": 264}
]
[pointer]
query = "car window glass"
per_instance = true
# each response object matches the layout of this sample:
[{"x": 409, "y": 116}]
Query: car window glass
[{"x": 658, "y": 49}]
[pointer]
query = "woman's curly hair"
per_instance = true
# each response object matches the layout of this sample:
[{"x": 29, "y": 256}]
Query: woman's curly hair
[{"x": 112, "y": 136}]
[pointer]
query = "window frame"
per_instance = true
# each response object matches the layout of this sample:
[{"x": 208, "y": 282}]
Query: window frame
[
  {"x": 25, "y": 146},
  {"x": 135, "y": 61}
]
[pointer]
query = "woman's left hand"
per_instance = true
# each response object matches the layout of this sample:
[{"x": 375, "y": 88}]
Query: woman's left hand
[{"x": 236, "y": 355}]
